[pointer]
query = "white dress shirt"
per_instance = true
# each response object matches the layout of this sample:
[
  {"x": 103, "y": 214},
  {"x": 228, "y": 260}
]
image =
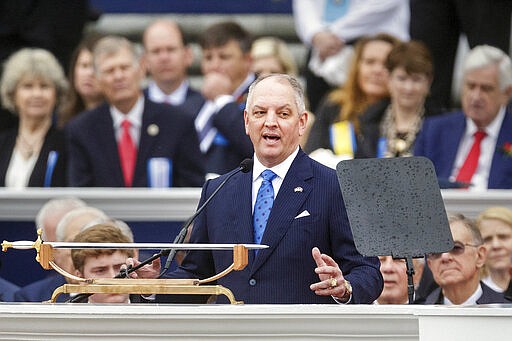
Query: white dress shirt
[
  {"x": 471, "y": 299},
  {"x": 480, "y": 179},
  {"x": 280, "y": 170},
  {"x": 177, "y": 97},
  {"x": 135, "y": 118}
]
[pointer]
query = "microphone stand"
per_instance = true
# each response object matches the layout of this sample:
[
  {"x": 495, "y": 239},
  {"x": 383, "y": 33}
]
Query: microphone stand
[{"x": 245, "y": 167}]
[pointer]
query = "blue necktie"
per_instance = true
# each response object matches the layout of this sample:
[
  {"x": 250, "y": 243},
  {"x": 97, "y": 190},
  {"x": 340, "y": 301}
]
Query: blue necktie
[{"x": 263, "y": 205}]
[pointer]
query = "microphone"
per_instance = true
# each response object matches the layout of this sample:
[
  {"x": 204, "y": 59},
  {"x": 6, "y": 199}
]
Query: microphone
[{"x": 245, "y": 167}]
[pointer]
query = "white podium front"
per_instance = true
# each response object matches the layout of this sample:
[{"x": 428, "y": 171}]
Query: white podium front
[{"x": 24, "y": 321}]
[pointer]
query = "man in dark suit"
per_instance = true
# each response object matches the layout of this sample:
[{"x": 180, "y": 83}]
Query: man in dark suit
[
  {"x": 167, "y": 56},
  {"x": 307, "y": 217},
  {"x": 225, "y": 64},
  {"x": 457, "y": 272},
  {"x": 470, "y": 146},
  {"x": 131, "y": 141}
]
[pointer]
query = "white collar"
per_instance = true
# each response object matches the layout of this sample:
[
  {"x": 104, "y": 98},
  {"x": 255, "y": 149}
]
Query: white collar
[
  {"x": 134, "y": 115},
  {"x": 280, "y": 170},
  {"x": 177, "y": 97},
  {"x": 471, "y": 299},
  {"x": 492, "y": 130}
]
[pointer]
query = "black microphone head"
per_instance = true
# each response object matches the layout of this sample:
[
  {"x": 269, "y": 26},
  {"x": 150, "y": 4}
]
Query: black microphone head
[{"x": 246, "y": 165}]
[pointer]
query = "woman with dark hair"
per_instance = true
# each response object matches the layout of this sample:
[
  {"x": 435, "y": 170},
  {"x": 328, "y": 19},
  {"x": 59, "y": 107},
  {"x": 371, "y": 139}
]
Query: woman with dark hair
[
  {"x": 84, "y": 92},
  {"x": 389, "y": 128}
]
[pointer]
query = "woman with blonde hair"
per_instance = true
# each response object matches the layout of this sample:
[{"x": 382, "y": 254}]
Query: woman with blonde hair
[
  {"x": 336, "y": 127},
  {"x": 495, "y": 224},
  {"x": 32, "y": 154},
  {"x": 272, "y": 55}
]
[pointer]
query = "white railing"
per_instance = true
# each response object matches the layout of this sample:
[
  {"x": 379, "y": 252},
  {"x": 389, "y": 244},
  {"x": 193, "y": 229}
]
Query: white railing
[{"x": 176, "y": 204}]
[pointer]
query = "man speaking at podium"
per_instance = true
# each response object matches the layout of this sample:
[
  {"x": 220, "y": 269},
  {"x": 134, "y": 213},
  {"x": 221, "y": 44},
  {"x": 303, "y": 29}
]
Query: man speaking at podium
[{"x": 289, "y": 202}]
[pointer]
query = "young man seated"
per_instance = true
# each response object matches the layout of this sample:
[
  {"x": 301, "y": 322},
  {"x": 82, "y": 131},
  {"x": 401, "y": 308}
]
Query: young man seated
[{"x": 101, "y": 263}]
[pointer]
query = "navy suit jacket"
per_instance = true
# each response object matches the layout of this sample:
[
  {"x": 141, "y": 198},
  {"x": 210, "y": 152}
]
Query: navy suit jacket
[
  {"x": 93, "y": 154},
  {"x": 488, "y": 296},
  {"x": 41, "y": 290},
  {"x": 54, "y": 141},
  {"x": 283, "y": 272},
  {"x": 439, "y": 141},
  {"x": 7, "y": 290}
]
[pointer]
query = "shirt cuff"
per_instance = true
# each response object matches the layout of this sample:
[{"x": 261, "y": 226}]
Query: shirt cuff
[{"x": 337, "y": 300}]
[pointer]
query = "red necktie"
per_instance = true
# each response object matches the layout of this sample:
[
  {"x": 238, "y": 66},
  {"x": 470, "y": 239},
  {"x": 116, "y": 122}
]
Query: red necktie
[
  {"x": 469, "y": 167},
  {"x": 127, "y": 153}
]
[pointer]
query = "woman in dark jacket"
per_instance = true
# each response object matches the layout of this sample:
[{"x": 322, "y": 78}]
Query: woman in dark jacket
[
  {"x": 33, "y": 153},
  {"x": 389, "y": 128}
]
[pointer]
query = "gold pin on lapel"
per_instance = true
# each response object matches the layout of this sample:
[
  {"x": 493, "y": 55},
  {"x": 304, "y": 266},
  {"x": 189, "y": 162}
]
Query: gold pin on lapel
[
  {"x": 297, "y": 189},
  {"x": 153, "y": 129}
]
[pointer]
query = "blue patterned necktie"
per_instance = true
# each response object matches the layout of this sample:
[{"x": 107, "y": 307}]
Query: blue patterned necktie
[{"x": 263, "y": 205}]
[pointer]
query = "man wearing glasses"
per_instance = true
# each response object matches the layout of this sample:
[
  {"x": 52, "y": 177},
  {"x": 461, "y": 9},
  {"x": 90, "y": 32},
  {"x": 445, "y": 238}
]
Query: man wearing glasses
[{"x": 457, "y": 272}]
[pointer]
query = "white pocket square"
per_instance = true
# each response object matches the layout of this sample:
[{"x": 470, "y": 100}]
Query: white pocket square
[{"x": 304, "y": 213}]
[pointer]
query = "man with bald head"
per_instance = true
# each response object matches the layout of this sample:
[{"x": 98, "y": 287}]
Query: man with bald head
[
  {"x": 167, "y": 56},
  {"x": 289, "y": 202},
  {"x": 67, "y": 228}
]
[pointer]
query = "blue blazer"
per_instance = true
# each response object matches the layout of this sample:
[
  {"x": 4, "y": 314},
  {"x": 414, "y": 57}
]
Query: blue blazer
[
  {"x": 439, "y": 141},
  {"x": 41, "y": 290},
  {"x": 93, "y": 154},
  {"x": 282, "y": 273}
]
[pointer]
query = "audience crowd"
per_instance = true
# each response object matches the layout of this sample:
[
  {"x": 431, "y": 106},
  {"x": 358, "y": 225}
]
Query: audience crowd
[{"x": 127, "y": 116}]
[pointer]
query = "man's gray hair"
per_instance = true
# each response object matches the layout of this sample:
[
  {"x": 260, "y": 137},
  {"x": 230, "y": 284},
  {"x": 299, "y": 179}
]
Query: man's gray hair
[
  {"x": 485, "y": 55},
  {"x": 110, "y": 45},
  {"x": 56, "y": 205},
  {"x": 97, "y": 216},
  {"x": 470, "y": 224},
  {"x": 292, "y": 81}
]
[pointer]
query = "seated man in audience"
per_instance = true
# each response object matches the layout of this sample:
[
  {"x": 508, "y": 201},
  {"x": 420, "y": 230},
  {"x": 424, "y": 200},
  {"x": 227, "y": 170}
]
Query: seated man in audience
[
  {"x": 470, "y": 147},
  {"x": 47, "y": 220},
  {"x": 167, "y": 56},
  {"x": 457, "y": 272},
  {"x": 394, "y": 273},
  {"x": 101, "y": 263},
  {"x": 226, "y": 66},
  {"x": 130, "y": 141},
  {"x": 67, "y": 228}
]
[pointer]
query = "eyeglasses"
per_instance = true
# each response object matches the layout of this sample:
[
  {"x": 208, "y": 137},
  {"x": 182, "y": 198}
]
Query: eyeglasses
[{"x": 458, "y": 249}]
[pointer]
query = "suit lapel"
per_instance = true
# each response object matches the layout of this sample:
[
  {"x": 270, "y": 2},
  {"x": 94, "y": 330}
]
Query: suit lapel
[
  {"x": 107, "y": 141},
  {"x": 146, "y": 142},
  {"x": 452, "y": 140},
  {"x": 286, "y": 206},
  {"x": 499, "y": 159}
]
